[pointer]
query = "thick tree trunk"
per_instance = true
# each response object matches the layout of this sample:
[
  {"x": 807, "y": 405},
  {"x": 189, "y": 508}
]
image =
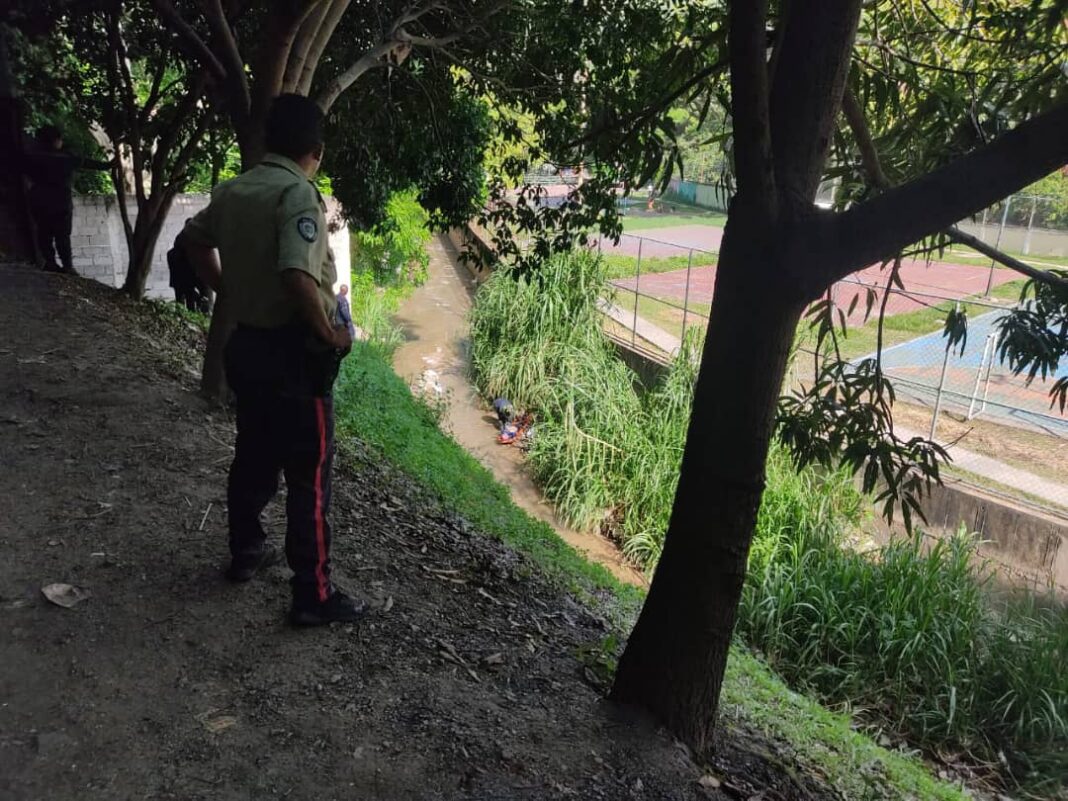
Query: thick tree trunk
[
  {"x": 674, "y": 662},
  {"x": 150, "y": 219},
  {"x": 250, "y": 143}
]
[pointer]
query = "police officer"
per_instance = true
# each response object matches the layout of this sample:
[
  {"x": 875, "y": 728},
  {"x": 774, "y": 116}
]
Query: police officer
[
  {"x": 51, "y": 170},
  {"x": 276, "y": 272}
]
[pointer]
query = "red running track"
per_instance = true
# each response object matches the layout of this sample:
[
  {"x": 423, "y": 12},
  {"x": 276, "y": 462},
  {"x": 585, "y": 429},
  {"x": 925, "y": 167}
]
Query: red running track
[{"x": 926, "y": 283}]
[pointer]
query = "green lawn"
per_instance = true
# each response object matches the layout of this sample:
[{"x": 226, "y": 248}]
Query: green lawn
[
  {"x": 376, "y": 406},
  {"x": 641, "y": 221},
  {"x": 622, "y": 266}
]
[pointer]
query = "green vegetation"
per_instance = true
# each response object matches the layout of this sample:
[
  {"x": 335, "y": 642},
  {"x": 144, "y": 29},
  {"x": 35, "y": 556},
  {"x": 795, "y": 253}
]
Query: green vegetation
[
  {"x": 665, "y": 314},
  {"x": 394, "y": 251},
  {"x": 373, "y": 308},
  {"x": 606, "y": 455},
  {"x": 907, "y": 636},
  {"x": 853, "y": 763},
  {"x": 376, "y": 407},
  {"x": 965, "y": 255},
  {"x": 619, "y": 265},
  {"x": 388, "y": 261}
]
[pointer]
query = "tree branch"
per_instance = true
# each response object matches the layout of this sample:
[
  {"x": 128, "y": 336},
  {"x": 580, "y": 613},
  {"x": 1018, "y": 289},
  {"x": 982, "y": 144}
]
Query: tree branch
[
  {"x": 185, "y": 155},
  {"x": 810, "y": 78},
  {"x": 634, "y": 121},
  {"x": 322, "y": 39},
  {"x": 747, "y": 41},
  {"x": 121, "y": 75},
  {"x": 194, "y": 45},
  {"x": 299, "y": 51},
  {"x": 415, "y": 13},
  {"x": 875, "y": 230},
  {"x": 170, "y": 137},
  {"x": 284, "y": 22},
  {"x": 154, "y": 93},
  {"x": 394, "y": 48},
  {"x": 429, "y": 42},
  {"x": 240, "y": 98},
  {"x": 369, "y": 60},
  {"x": 1042, "y": 276},
  {"x": 120, "y": 194},
  {"x": 869, "y": 156}
]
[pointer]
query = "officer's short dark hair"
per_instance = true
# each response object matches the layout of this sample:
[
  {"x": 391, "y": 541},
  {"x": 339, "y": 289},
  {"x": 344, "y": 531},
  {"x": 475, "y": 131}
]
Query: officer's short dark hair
[
  {"x": 48, "y": 134},
  {"x": 294, "y": 126}
]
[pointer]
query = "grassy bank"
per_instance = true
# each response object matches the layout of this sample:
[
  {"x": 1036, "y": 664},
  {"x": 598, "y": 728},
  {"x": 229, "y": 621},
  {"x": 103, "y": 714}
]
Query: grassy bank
[{"x": 375, "y": 406}]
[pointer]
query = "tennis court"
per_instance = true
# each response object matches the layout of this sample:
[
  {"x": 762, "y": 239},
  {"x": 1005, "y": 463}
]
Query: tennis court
[{"x": 976, "y": 381}]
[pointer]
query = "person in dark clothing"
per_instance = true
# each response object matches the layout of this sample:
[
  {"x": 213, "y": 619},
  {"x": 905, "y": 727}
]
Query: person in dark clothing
[
  {"x": 50, "y": 170},
  {"x": 263, "y": 241},
  {"x": 505, "y": 412},
  {"x": 344, "y": 312},
  {"x": 189, "y": 289}
]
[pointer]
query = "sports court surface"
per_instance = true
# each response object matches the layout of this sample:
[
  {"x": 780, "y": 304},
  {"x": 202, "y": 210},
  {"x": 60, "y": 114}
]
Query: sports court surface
[
  {"x": 926, "y": 282},
  {"x": 915, "y": 367}
]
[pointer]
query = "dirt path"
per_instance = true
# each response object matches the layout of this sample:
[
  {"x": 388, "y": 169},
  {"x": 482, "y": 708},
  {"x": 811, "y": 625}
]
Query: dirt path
[
  {"x": 434, "y": 320},
  {"x": 167, "y": 683}
]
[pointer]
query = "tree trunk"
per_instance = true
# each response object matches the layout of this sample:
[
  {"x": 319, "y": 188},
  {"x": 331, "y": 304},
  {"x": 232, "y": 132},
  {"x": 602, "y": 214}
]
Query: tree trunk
[
  {"x": 674, "y": 662},
  {"x": 250, "y": 143},
  {"x": 150, "y": 218}
]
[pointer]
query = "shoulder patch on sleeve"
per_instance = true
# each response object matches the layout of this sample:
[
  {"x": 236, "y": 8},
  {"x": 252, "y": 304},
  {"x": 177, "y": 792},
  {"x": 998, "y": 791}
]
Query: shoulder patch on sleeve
[{"x": 308, "y": 229}]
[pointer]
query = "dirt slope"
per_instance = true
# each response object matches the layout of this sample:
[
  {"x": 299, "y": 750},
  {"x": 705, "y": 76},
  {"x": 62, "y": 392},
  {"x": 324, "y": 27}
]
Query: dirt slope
[{"x": 169, "y": 683}]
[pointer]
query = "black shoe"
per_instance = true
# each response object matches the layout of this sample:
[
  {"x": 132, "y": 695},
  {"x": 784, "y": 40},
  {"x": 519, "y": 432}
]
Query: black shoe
[
  {"x": 338, "y": 608},
  {"x": 243, "y": 569}
]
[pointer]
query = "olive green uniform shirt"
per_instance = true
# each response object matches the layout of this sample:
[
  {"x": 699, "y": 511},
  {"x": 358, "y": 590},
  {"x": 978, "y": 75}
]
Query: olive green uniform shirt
[{"x": 263, "y": 222}]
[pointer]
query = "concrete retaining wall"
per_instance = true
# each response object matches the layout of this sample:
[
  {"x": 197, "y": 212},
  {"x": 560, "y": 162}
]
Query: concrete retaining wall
[
  {"x": 473, "y": 246},
  {"x": 98, "y": 243},
  {"x": 1028, "y": 546}
]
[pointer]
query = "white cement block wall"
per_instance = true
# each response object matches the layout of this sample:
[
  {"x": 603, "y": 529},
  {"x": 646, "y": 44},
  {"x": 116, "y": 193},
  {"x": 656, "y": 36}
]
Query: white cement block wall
[{"x": 98, "y": 243}]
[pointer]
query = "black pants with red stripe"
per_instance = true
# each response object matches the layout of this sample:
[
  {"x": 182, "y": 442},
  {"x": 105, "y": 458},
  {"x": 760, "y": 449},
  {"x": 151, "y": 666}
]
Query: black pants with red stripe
[{"x": 285, "y": 424}]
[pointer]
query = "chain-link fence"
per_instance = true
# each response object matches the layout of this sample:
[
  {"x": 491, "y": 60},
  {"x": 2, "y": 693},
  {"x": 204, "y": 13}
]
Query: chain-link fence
[
  {"x": 1025, "y": 225},
  {"x": 1010, "y": 438}
]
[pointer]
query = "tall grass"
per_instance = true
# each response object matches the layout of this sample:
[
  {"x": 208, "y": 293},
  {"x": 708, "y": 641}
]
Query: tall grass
[
  {"x": 606, "y": 454},
  {"x": 909, "y": 636},
  {"x": 388, "y": 262},
  {"x": 905, "y": 636},
  {"x": 373, "y": 308}
]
